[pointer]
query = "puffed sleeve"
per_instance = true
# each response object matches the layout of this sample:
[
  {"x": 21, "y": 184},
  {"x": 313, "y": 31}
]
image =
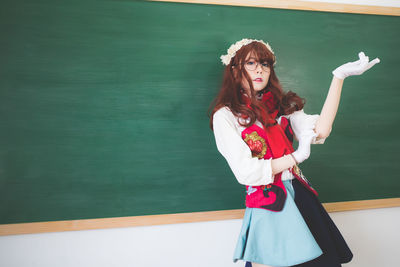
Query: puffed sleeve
[
  {"x": 300, "y": 121},
  {"x": 247, "y": 170}
]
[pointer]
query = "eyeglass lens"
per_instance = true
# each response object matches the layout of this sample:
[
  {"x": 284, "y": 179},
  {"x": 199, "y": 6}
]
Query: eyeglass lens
[{"x": 252, "y": 65}]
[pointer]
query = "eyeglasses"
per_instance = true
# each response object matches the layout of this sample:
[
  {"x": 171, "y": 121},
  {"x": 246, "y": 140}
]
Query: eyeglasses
[{"x": 252, "y": 65}]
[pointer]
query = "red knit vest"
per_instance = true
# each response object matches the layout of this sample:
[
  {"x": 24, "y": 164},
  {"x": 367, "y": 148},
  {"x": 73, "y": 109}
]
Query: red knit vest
[{"x": 271, "y": 143}]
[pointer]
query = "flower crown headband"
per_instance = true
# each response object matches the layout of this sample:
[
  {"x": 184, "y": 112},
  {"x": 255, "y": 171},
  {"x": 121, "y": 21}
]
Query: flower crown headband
[{"x": 226, "y": 59}]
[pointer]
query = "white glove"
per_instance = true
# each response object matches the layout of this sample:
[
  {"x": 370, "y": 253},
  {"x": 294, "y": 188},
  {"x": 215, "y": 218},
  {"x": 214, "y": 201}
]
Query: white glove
[
  {"x": 355, "y": 68},
  {"x": 303, "y": 151},
  {"x": 301, "y": 122}
]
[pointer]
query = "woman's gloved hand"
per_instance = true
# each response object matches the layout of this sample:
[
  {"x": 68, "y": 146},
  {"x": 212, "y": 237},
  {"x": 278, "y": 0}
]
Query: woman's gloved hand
[
  {"x": 303, "y": 151},
  {"x": 355, "y": 68},
  {"x": 301, "y": 122}
]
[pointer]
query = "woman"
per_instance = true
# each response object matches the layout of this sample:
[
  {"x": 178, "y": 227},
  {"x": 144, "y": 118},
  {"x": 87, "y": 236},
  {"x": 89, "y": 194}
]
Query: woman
[{"x": 254, "y": 123}]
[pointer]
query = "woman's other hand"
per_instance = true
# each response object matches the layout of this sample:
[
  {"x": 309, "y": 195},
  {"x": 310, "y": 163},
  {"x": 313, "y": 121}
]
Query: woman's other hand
[
  {"x": 303, "y": 151},
  {"x": 355, "y": 68},
  {"x": 301, "y": 122}
]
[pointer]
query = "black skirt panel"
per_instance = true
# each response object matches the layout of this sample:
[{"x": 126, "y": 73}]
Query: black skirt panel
[{"x": 330, "y": 240}]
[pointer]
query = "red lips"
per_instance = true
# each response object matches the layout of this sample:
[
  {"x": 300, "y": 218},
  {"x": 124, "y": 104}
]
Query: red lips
[{"x": 258, "y": 80}]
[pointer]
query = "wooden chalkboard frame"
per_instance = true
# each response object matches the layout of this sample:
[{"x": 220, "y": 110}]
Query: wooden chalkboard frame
[
  {"x": 300, "y": 5},
  {"x": 148, "y": 220}
]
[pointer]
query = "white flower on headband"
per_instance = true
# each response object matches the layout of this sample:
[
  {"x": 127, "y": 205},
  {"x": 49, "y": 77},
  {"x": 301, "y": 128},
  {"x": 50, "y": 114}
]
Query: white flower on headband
[{"x": 226, "y": 59}]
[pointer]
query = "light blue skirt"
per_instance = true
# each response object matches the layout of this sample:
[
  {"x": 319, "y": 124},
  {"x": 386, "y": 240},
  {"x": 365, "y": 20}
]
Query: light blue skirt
[{"x": 276, "y": 238}]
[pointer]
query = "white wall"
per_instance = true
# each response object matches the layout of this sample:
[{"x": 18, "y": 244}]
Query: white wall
[{"x": 373, "y": 235}]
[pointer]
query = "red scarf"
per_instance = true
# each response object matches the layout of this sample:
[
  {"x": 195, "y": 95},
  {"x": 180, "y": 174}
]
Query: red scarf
[{"x": 270, "y": 106}]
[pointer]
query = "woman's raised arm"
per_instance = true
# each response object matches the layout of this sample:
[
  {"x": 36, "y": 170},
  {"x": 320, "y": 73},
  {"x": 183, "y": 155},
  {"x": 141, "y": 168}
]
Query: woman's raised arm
[{"x": 324, "y": 124}]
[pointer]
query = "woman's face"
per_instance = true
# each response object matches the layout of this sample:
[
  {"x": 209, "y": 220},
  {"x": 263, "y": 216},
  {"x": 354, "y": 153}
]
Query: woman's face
[{"x": 258, "y": 71}]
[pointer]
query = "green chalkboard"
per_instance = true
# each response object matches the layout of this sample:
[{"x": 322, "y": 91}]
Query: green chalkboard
[{"x": 103, "y": 105}]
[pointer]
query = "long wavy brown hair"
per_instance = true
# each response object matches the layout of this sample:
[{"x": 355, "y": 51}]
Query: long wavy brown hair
[{"x": 231, "y": 93}]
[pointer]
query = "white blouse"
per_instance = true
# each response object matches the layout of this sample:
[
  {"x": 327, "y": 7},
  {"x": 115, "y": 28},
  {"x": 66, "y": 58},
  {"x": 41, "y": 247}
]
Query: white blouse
[{"x": 247, "y": 169}]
